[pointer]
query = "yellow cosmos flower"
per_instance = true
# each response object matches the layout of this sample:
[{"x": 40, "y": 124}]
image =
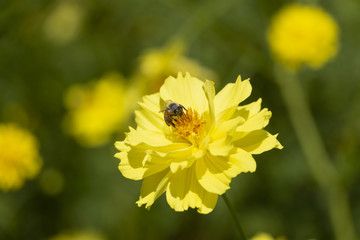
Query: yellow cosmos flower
[
  {"x": 64, "y": 22},
  {"x": 301, "y": 34},
  {"x": 158, "y": 63},
  {"x": 266, "y": 236},
  {"x": 194, "y": 159},
  {"x": 19, "y": 157},
  {"x": 78, "y": 235},
  {"x": 96, "y": 110},
  {"x": 262, "y": 236}
]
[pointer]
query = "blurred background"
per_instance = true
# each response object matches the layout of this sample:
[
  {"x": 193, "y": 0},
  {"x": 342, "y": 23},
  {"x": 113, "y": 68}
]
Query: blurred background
[{"x": 71, "y": 73}]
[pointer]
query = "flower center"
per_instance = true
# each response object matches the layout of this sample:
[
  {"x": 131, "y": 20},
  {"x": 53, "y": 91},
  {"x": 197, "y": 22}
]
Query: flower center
[{"x": 189, "y": 126}]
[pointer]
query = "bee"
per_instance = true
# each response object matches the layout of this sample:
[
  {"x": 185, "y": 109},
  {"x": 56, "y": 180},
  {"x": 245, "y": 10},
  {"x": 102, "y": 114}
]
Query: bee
[{"x": 171, "y": 110}]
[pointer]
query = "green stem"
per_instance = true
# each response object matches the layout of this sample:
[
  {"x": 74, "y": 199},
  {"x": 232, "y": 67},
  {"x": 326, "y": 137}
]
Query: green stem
[
  {"x": 235, "y": 217},
  {"x": 317, "y": 157},
  {"x": 202, "y": 17}
]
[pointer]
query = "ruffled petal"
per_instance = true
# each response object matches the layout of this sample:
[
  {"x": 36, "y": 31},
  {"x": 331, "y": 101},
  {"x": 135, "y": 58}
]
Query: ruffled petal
[
  {"x": 155, "y": 140},
  {"x": 152, "y": 187},
  {"x": 186, "y": 91},
  {"x": 215, "y": 173},
  {"x": 149, "y": 117},
  {"x": 220, "y": 147},
  {"x": 209, "y": 90},
  {"x": 258, "y": 141},
  {"x": 229, "y": 98},
  {"x": 135, "y": 163},
  {"x": 135, "y": 170},
  {"x": 226, "y": 128},
  {"x": 184, "y": 191},
  {"x": 248, "y": 110},
  {"x": 257, "y": 121},
  {"x": 185, "y": 159},
  {"x": 243, "y": 161}
]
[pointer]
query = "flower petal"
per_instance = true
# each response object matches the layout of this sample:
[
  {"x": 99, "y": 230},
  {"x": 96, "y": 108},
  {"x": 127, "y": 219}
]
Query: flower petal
[
  {"x": 135, "y": 163},
  {"x": 184, "y": 160},
  {"x": 149, "y": 117},
  {"x": 215, "y": 172},
  {"x": 155, "y": 140},
  {"x": 184, "y": 191},
  {"x": 258, "y": 141},
  {"x": 249, "y": 110},
  {"x": 134, "y": 171},
  {"x": 243, "y": 161},
  {"x": 209, "y": 90},
  {"x": 220, "y": 147},
  {"x": 257, "y": 121},
  {"x": 229, "y": 98},
  {"x": 186, "y": 91},
  {"x": 152, "y": 187},
  {"x": 226, "y": 128}
]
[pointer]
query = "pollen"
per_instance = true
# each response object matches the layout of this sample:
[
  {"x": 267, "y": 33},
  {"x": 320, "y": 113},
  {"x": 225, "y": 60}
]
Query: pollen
[{"x": 190, "y": 126}]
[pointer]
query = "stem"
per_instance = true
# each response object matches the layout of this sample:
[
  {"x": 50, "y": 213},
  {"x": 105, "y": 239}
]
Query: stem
[
  {"x": 318, "y": 159},
  {"x": 234, "y": 216},
  {"x": 202, "y": 17}
]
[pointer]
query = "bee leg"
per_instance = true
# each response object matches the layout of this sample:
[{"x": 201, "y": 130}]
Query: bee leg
[{"x": 171, "y": 122}]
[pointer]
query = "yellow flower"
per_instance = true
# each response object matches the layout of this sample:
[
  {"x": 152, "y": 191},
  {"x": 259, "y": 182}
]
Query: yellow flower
[
  {"x": 265, "y": 236},
  {"x": 262, "y": 236},
  {"x": 64, "y": 22},
  {"x": 19, "y": 157},
  {"x": 158, "y": 63},
  {"x": 209, "y": 144},
  {"x": 78, "y": 235},
  {"x": 96, "y": 110},
  {"x": 301, "y": 34}
]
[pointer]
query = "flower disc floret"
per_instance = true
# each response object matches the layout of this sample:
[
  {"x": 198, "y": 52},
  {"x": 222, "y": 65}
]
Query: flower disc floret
[
  {"x": 194, "y": 160},
  {"x": 190, "y": 126}
]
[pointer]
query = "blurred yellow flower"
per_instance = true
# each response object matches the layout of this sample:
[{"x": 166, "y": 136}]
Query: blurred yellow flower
[
  {"x": 262, "y": 236},
  {"x": 300, "y": 34},
  {"x": 19, "y": 157},
  {"x": 64, "y": 23},
  {"x": 266, "y": 236},
  {"x": 158, "y": 63},
  {"x": 96, "y": 110},
  {"x": 195, "y": 158},
  {"x": 78, "y": 235}
]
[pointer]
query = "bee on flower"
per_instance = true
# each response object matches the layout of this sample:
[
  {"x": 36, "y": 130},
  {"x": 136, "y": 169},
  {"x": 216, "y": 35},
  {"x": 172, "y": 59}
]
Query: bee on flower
[
  {"x": 194, "y": 145},
  {"x": 172, "y": 112}
]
